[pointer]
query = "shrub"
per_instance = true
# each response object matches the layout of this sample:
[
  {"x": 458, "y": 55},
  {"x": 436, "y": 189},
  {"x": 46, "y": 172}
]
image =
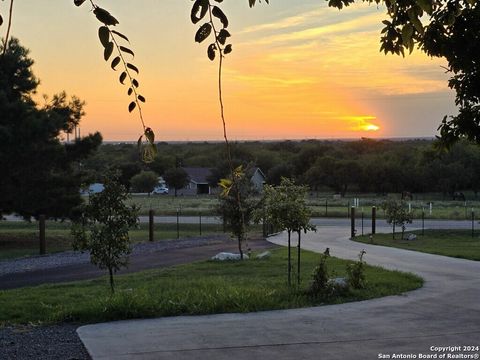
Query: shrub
[
  {"x": 321, "y": 287},
  {"x": 356, "y": 273}
]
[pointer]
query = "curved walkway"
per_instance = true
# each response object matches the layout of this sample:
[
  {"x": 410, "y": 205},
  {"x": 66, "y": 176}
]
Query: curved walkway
[{"x": 445, "y": 312}]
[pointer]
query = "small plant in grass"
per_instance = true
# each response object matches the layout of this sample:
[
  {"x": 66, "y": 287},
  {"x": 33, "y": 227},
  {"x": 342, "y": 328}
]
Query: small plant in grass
[
  {"x": 321, "y": 286},
  {"x": 103, "y": 228},
  {"x": 356, "y": 272}
]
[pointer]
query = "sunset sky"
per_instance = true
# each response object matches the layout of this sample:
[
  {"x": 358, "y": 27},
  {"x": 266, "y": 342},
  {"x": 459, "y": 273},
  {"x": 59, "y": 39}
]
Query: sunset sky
[{"x": 298, "y": 70}]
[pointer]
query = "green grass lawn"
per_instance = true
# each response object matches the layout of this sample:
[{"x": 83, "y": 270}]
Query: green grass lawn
[
  {"x": 18, "y": 238},
  {"x": 454, "y": 243},
  {"x": 199, "y": 288}
]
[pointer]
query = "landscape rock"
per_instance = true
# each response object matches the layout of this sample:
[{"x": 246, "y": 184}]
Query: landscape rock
[
  {"x": 225, "y": 256},
  {"x": 264, "y": 255},
  {"x": 411, "y": 237},
  {"x": 339, "y": 282}
]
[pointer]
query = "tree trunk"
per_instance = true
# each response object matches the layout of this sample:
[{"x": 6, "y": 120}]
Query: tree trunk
[
  {"x": 240, "y": 247},
  {"x": 112, "y": 287},
  {"x": 393, "y": 230},
  {"x": 289, "y": 261},
  {"x": 298, "y": 260}
]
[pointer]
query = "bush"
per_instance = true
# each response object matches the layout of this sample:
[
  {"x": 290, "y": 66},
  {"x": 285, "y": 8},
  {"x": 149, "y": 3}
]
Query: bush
[
  {"x": 356, "y": 273},
  {"x": 321, "y": 287}
]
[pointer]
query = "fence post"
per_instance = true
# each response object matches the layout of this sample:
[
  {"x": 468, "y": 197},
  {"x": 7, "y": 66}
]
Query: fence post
[
  {"x": 326, "y": 207},
  {"x": 473, "y": 223},
  {"x": 362, "y": 221},
  {"x": 223, "y": 223},
  {"x": 178, "y": 225},
  {"x": 374, "y": 219},
  {"x": 352, "y": 222},
  {"x": 423, "y": 221},
  {"x": 200, "y": 223},
  {"x": 41, "y": 228},
  {"x": 150, "y": 224}
]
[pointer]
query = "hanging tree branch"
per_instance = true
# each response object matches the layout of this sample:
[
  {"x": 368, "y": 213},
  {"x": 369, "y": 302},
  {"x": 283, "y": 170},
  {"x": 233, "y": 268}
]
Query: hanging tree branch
[
  {"x": 200, "y": 9},
  {"x": 111, "y": 40},
  {"x": 7, "y": 35}
]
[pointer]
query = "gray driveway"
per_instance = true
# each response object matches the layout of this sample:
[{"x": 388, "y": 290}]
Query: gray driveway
[{"x": 444, "y": 313}]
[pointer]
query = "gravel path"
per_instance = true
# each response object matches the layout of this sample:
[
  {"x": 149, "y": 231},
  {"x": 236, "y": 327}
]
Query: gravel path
[
  {"x": 49, "y": 261},
  {"x": 57, "y": 342}
]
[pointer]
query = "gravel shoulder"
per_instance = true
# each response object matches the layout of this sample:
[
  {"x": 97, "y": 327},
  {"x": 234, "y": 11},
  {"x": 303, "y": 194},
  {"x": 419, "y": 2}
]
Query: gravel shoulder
[
  {"x": 60, "y": 342},
  {"x": 56, "y": 342}
]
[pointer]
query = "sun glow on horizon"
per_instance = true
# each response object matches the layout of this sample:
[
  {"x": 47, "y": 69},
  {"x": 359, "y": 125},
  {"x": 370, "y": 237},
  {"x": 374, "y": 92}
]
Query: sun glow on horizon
[
  {"x": 371, "y": 127},
  {"x": 363, "y": 123}
]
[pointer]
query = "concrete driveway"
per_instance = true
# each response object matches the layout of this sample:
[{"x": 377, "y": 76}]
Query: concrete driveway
[{"x": 436, "y": 321}]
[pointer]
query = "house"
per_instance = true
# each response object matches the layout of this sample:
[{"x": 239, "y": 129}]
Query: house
[
  {"x": 198, "y": 183},
  {"x": 198, "y": 180},
  {"x": 257, "y": 177}
]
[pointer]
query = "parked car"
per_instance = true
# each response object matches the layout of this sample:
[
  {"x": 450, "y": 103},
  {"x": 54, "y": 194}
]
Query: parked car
[{"x": 160, "y": 190}]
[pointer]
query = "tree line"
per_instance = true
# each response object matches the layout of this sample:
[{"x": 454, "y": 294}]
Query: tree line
[{"x": 365, "y": 165}]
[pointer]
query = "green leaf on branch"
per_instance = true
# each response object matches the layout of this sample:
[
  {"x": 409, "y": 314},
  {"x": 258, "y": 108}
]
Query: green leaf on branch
[
  {"x": 122, "y": 78},
  {"x": 407, "y": 33},
  {"x": 150, "y": 135},
  {"x": 104, "y": 16},
  {"x": 135, "y": 83},
  {"x": 130, "y": 91},
  {"x": 203, "y": 32},
  {"x": 1, "y": 20},
  {"x": 413, "y": 16},
  {"x": 141, "y": 98},
  {"x": 222, "y": 36},
  {"x": 426, "y": 6},
  {"x": 78, "y": 2},
  {"x": 226, "y": 185},
  {"x": 104, "y": 35},
  {"x": 211, "y": 51},
  {"x": 121, "y": 35},
  {"x": 218, "y": 13},
  {"x": 127, "y": 50},
  {"x": 108, "y": 51},
  {"x": 132, "y": 106},
  {"x": 199, "y": 10},
  {"x": 115, "y": 62},
  {"x": 149, "y": 153},
  {"x": 228, "y": 49},
  {"x": 132, "y": 67}
]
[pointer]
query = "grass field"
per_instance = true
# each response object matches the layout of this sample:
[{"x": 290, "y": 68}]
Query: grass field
[
  {"x": 198, "y": 288},
  {"x": 321, "y": 206},
  {"x": 18, "y": 238},
  {"x": 168, "y": 204},
  {"x": 454, "y": 243}
]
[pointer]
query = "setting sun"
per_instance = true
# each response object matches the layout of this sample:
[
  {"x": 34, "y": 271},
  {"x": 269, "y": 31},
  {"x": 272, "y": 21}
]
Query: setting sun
[
  {"x": 371, "y": 127},
  {"x": 298, "y": 71}
]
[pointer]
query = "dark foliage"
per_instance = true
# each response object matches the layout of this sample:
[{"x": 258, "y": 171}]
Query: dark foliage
[{"x": 40, "y": 174}]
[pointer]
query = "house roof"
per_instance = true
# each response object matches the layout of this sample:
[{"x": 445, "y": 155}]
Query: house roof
[
  {"x": 254, "y": 170},
  {"x": 198, "y": 175}
]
